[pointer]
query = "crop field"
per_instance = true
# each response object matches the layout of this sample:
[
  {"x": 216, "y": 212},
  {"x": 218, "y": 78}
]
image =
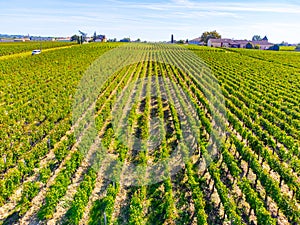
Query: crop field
[
  {"x": 8, "y": 48},
  {"x": 287, "y": 48},
  {"x": 114, "y": 133}
]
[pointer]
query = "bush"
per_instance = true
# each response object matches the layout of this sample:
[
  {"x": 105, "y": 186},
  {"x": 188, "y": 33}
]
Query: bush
[{"x": 249, "y": 46}]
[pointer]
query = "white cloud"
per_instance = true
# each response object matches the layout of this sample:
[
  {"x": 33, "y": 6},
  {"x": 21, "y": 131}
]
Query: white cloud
[{"x": 186, "y": 6}]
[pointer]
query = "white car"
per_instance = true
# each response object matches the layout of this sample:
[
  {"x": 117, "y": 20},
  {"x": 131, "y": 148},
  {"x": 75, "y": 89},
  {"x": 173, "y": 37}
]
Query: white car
[{"x": 35, "y": 52}]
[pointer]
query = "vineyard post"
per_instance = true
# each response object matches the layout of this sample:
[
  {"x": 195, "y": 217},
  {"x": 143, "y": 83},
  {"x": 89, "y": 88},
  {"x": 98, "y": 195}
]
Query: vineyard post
[
  {"x": 105, "y": 221},
  {"x": 49, "y": 143}
]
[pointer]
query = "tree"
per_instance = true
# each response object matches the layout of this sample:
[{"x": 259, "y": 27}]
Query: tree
[
  {"x": 208, "y": 35},
  {"x": 265, "y": 39},
  {"x": 274, "y": 48},
  {"x": 256, "y": 38},
  {"x": 125, "y": 40},
  {"x": 74, "y": 38},
  {"x": 284, "y": 43},
  {"x": 249, "y": 45},
  {"x": 95, "y": 36},
  {"x": 180, "y": 42}
]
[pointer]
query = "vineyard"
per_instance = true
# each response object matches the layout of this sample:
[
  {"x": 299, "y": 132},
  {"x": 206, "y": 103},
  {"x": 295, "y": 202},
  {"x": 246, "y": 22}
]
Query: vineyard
[
  {"x": 13, "y": 48},
  {"x": 80, "y": 127}
]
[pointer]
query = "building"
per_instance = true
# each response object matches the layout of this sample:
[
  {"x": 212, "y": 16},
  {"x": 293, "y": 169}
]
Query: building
[
  {"x": 229, "y": 43},
  {"x": 219, "y": 42},
  {"x": 62, "y": 39},
  {"x": 263, "y": 45},
  {"x": 196, "y": 41},
  {"x": 265, "y": 39},
  {"x": 6, "y": 40},
  {"x": 101, "y": 38},
  {"x": 42, "y": 39},
  {"x": 21, "y": 39}
]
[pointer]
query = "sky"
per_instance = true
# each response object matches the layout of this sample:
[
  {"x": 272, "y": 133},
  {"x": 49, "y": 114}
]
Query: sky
[{"x": 153, "y": 20}]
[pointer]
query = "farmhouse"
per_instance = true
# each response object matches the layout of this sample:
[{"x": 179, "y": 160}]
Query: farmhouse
[{"x": 229, "y": 43}]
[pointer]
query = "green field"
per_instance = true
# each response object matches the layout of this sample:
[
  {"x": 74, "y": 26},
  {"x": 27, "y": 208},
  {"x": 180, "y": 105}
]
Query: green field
[
  {"x": 9, "y": 48},
  {"x": 246, "y": 171},
  {"x": 287, "y": 48}
]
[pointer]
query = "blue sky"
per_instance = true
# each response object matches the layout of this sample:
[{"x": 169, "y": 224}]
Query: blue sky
[{"x": 153, "y": 20}]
